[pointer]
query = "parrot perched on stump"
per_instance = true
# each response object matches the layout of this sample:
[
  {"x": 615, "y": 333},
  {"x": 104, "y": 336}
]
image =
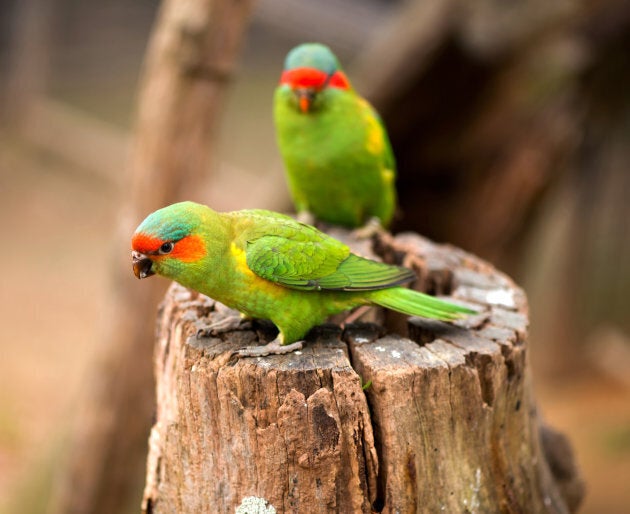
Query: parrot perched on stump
[
  {"x": 268, "y": 265},
  {"x": 336, "y": 152}
]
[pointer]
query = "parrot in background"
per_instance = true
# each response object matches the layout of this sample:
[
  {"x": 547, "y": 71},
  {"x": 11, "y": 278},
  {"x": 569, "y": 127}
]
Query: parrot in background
[
  {"x": 338, "y": 158},
  {"x": 268, "y": 265}
]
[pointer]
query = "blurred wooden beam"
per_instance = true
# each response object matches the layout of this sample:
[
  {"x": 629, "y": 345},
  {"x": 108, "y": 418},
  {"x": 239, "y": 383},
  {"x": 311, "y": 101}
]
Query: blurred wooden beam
[
  {"x": 344, "y": 25},
  {"x": 76, "y": 136},
  {"x": 33, "y": 115},
  {"x": 401, "y": 48}
]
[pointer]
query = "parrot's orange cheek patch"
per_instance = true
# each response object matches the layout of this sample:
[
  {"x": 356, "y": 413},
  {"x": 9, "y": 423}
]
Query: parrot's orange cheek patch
[{"x": 189, "y": 249}]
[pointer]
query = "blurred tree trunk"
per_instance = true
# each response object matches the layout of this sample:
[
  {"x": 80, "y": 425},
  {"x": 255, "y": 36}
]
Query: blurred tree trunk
[{"x": 189, "y": 63}]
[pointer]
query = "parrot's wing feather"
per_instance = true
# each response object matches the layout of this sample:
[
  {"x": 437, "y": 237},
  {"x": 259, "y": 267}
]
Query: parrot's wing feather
[
  {"x": 300, "y": 257},
  {"x": 358, "y": 274}
]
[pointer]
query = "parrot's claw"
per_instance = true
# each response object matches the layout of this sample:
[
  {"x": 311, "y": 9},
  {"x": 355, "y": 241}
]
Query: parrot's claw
[
  {"x": 224, "y": 325},
  {"x": 272, "y": 348},
  {"x": 372, "y": 227}
]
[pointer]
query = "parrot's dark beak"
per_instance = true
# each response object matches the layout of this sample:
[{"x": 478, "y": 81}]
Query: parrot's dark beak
[
  {"x": 305, "y": 97},
  {"x": 141, "y": 265}
]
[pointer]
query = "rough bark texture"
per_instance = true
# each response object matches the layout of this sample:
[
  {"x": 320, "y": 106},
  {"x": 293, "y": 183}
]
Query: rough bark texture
[
  {"x": 190, "y": 58},
  {"x": 446, "y": 423}
]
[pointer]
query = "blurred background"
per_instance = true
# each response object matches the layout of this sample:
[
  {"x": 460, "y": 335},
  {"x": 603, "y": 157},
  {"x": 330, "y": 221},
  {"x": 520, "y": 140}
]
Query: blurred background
[{"x": 511, "y": 126}]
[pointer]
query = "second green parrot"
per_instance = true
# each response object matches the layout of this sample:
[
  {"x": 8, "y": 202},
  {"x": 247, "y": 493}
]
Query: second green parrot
[
  {"x": 336, "y": 152},
  {"x": 268, "y": 265}
]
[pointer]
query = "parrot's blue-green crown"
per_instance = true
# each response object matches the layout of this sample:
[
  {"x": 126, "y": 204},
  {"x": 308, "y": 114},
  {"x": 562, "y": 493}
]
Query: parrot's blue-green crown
[
  {"x": 173, "y": 222},
  {"x": 312, "y": 55}
]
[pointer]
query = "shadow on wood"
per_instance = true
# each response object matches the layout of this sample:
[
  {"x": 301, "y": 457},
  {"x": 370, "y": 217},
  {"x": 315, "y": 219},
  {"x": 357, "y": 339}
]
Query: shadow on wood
[{"x": 445, "y": 420}]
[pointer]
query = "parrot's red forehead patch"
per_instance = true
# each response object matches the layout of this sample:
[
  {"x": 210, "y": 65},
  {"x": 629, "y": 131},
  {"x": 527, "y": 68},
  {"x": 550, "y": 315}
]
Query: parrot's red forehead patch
[
  {"x": 144, "y": 243},
  {"x": 313, "y": 78}
]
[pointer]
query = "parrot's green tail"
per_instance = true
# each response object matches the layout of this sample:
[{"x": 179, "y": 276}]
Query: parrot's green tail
[{"x": 415, "y": 303}]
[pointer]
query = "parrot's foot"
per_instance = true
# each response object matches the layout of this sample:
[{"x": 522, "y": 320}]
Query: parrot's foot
[
  {"x": 272, "y": 348},
  {"x": 306, "y": 217},
  {"x": 356, "y": 314},
  {"x": 370, "y": 229},
  {"x": 226, "y": 324}
]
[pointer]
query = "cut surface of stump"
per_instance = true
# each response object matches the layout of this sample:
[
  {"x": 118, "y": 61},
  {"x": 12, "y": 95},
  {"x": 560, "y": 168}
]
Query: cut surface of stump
[{"x": 412, "y": 415}]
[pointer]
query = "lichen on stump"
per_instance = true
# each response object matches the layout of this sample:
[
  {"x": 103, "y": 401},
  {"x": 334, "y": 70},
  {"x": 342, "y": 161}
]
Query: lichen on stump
[{"x": 412, "y": 416}]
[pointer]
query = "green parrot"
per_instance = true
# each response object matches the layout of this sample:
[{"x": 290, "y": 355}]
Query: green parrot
[
  {"x": 336, "y": 152},
  {"x": 268, "y": 265}
]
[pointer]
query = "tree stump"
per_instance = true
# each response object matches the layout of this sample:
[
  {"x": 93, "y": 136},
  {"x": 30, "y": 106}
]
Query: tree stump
[{"x": 408, "y": 416}]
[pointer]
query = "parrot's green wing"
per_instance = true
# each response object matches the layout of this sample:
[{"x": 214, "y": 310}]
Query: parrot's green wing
[{"x": 300, "y": 257}]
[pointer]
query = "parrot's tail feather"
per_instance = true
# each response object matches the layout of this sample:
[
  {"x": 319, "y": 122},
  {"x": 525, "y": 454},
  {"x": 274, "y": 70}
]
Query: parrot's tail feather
[{"x": 415, "y": 303}]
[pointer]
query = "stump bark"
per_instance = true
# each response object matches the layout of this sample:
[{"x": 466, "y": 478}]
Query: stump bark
[{"x": 408, "y": 416}]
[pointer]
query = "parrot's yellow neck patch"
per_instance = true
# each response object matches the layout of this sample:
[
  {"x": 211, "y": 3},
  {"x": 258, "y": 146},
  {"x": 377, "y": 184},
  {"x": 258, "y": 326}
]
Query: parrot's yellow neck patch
[
  {"x": 241, "y": 260},
  {"x": 375, "y": 142}
]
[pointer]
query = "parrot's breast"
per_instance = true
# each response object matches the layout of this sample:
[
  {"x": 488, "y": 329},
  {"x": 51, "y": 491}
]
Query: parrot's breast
[{"x": 338, "y": 160}]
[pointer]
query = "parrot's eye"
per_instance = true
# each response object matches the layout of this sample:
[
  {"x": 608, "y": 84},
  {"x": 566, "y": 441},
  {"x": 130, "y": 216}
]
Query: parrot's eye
[{"x": 166, "y": 248}]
